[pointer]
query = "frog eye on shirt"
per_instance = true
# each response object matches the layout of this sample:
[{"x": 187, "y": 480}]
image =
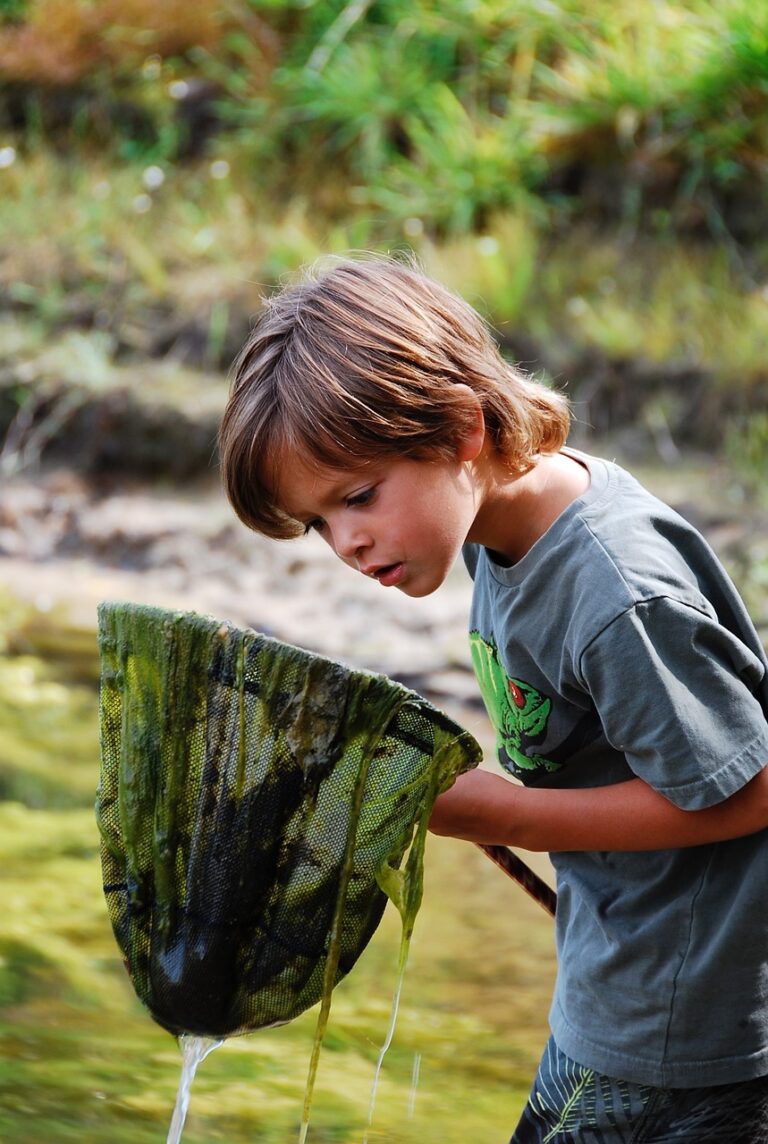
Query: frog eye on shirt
[{"x": 517, "y": 696}]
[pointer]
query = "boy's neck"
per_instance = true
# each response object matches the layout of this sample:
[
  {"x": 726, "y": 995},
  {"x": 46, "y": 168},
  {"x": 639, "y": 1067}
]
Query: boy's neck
[{"x": 516, "y": 511}]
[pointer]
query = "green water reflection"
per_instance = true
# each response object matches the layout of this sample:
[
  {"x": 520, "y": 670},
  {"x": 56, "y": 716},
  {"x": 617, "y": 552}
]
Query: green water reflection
[{"x": 81, "y": 1061}]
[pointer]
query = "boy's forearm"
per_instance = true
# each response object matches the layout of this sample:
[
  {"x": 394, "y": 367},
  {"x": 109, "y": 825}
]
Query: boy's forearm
[{"x": 487, "y": 808}]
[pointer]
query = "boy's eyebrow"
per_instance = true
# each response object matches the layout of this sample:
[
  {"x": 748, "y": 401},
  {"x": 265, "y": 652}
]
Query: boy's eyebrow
[{"x": 333, "y": 492}]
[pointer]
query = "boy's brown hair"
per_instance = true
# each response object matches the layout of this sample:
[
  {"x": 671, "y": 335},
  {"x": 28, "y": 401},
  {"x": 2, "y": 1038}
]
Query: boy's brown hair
[{"x": 361, "y": 361}]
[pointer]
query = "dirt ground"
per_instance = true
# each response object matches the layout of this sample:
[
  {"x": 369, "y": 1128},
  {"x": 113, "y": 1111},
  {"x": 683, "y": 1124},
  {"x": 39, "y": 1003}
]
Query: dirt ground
[{"x": 68, "y": 543}]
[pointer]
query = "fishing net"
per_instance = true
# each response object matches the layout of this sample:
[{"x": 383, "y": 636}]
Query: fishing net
[{"x": 257, "y": 806}]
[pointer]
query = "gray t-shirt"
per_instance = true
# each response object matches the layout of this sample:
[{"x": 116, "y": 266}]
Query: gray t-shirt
[{"x": 618, "y": 647}]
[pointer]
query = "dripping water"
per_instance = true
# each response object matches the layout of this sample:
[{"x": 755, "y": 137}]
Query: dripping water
[
  {"x": 401, "y": 967},
  {"x": 414, "y": 1084},
  {"x": 193, "y": 1051}
]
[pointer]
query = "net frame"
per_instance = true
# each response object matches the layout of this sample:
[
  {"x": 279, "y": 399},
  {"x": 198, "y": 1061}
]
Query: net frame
[{"x": 254, "y": 799}]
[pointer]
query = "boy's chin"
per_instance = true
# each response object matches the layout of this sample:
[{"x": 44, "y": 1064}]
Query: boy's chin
[{"x": 419, "y": 589}]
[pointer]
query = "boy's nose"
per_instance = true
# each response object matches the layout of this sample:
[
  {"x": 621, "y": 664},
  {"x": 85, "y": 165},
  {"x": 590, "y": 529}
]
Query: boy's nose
[{"x": 349, "y": 542}]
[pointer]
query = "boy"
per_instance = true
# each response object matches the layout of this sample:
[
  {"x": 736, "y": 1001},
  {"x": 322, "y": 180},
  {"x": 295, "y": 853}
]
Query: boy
[{"x": 626, "y": 683}]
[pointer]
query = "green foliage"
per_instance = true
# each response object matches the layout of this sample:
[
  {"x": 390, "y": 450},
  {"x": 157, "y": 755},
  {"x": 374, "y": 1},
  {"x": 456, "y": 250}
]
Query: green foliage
[
  {"x": 684, "y": 95},
  {"x": 448, "y": 111},
  {"x": 25, "y": 972},
  {"x": 746, "y": 446},
  {"x": 456, "y": 173},
  {"x": 495, "y": 271},
  {"x": 423, "y": 106},
  {"x": 465, "y": 108},
  {"x": 12, "y": 10},
  {"x": 481, "y": 134}
]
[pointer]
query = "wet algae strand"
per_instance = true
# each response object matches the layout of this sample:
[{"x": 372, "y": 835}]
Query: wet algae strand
[{"x": 256, "y": 803}]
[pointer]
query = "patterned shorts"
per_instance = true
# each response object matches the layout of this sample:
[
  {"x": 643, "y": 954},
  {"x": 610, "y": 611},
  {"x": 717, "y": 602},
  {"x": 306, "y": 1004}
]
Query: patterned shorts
[{"x": 570, "y": 1104}]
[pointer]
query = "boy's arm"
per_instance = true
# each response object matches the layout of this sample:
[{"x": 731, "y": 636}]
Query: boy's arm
[{"x": 487, "y": 808}]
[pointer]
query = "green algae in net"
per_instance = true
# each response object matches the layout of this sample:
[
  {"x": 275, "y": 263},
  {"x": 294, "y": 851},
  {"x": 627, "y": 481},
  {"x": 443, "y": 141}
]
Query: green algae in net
[{"x": 257, "y": 806}]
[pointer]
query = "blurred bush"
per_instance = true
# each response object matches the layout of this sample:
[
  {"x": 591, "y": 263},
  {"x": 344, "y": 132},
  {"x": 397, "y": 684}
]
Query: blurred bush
[
  {"x": 448, "y": 112},
  {"x": 63, "y": 41},
  {"x": 591, "y": 173}
]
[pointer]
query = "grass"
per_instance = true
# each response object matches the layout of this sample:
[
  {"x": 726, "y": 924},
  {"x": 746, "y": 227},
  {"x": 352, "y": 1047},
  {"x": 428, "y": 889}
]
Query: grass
[
  {"x": 652, "y": 296},
  {"x": 569, "y": 167},
  {"x": 486, "y": 108},
  {"x": 658, "y": 299}
]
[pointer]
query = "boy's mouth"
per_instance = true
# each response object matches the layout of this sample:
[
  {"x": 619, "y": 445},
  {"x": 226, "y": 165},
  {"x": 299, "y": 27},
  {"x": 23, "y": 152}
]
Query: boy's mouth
[{"x": 388, "y": 574}]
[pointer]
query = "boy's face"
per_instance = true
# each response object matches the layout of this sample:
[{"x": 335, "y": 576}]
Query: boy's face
[{"x": 400, "y": 521}]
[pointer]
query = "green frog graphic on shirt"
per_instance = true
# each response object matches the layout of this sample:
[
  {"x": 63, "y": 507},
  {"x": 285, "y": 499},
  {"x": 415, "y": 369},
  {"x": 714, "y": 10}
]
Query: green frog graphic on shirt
[{"x": 518, "y": 711}]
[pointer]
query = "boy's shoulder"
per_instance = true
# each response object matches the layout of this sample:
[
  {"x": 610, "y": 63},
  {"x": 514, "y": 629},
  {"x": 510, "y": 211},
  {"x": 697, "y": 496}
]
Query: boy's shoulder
[
  {"x": 616, "y": 545},
  {"x": 632, "y": 541},
  {"x": 615, "y": 554}
]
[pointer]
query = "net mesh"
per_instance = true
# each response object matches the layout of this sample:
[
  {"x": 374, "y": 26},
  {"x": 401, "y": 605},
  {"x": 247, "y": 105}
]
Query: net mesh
[{"x": 245, "y": 785}]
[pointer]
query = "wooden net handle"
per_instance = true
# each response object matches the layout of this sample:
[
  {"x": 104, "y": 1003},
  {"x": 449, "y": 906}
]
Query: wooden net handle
[{"x": 516, "y": 869}]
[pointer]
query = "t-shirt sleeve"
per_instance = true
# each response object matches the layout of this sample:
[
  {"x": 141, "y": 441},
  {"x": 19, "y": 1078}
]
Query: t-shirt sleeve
[{"x": 677, "y": 693}]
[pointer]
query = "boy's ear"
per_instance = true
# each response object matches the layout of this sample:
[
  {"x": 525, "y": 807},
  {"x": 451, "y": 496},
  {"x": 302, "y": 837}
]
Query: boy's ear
[{"x": 470, "y": 444}]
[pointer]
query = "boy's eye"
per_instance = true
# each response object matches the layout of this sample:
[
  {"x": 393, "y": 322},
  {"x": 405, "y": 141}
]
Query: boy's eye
[
  {"x": 362, "y": 498},
  {"x": 315, "y": 525}
]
